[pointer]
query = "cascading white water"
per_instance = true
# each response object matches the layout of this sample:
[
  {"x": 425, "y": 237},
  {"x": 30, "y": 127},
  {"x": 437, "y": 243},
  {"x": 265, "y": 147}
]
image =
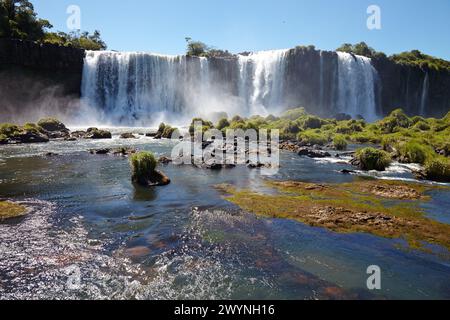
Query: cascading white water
[
  {"x": 356, "y": 86},
  {"x": 141, "y": 89},
  {"x": 261, "y": 80},
  {"x": 424, "y": 97}
]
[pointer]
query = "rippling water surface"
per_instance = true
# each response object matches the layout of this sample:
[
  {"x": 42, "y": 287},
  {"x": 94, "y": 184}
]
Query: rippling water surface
[{"x": 185, "y": 240}]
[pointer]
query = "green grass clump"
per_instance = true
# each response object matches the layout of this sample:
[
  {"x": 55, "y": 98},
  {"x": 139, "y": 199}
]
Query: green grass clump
[
  {"x": 205, "y": 124},
  {"x": 294, "y": 114},
  {"x": 373, "y": 159},
  {"x": 311, "y": 122},
  {"x": 9, "y": 129},
  {"x": 222, "y": 124},
  {"x": 438, "y": 169},
  {"x": 415, "y": 152},
  {"x": 396, "y": 120},
  {"x": 143, "y": 164},
  {"x": 340, "y": 143},
  {"x": 312, "y": 137}
]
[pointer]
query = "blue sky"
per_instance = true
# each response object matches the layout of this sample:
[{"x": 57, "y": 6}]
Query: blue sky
[{"x": 251, "y": 25}]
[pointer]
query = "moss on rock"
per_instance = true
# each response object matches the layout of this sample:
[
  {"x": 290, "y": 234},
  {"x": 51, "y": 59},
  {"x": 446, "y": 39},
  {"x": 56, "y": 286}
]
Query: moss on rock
[{"x": 9, "y": 210}]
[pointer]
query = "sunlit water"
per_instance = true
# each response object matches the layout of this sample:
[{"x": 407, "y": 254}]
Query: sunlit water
[{"x": 185, "y": 240}]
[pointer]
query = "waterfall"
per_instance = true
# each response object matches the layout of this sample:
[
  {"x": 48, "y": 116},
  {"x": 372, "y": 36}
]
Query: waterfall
[
  {"x": 261, "y": 81},
  {"x": 142, "y": 89},
  {"x": 424, "y": 97},
  {"x": 356, "y": 86}
]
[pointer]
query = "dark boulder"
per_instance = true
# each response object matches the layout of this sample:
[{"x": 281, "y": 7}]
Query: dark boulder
[
  {"x": 313, "y": 153},
  {"x": 127, "y": 135}
]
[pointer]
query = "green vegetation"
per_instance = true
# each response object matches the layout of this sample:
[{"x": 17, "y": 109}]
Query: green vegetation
[
  {"x": 438, "y": 169},
  {"x": 205, "y": 125},
  {"x": 200, "y": 49},
  {"x": 410, "y": 58},
  {"x": 417, "y": 58},
  {"x": 10, "y": 210},
  {"x": 76, "y": 39},
  {"x": 51, "y": 124},
  {"x": 361, "y": 49},
  {"x": 373, "y": 159},
  {"x": 313, "y": 137},
  {"x": 340, "y": 143},
  {"x": 403, "y": 138},
  {"x": 222, "y": 124},
  {"x": 363, "y": 206},
  {"x": 18, "y": 20},
  {"x": 143, "y": 166}
]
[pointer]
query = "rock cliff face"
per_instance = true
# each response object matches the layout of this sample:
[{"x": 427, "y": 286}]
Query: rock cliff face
[
  {"x": 38, "y": 80},
  {"x": 43, "y": 80},
  {"x": 416, "y": 90}
]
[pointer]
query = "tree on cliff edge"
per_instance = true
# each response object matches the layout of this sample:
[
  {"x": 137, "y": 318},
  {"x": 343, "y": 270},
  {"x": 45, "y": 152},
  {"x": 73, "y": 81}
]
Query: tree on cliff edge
[{"x": 18, "y": 20}]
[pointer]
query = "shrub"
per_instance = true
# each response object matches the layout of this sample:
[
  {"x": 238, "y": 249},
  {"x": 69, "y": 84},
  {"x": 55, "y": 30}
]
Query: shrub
[
  {"x": 3, "y": 139},
  {"x": 344, "y": 129},
  {"x": 294, "y": 114},
  {"x": 340, "y": 143},
  {"x": 206, "y": 125},
  {"x": 143, "y": 165},
  {"x": 397, "y": 119},
  {"x": 414, "y": 152},
  {"x": 373, "y": 159},
  {"x": 9, "y": 129},
  {"x": 422, "y": 125},
  {"x": 438, "y": 169},
  {"x": 271, "y": 118},
  {"x": 312, "y": 122},
  {"x": 223, "y": 123},
  {"x": 51, "y": 124},
  {"x": 312, "y": 138}
]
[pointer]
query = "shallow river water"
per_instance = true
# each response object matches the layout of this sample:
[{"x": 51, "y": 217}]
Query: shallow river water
[{"x": 91, "y": 234}]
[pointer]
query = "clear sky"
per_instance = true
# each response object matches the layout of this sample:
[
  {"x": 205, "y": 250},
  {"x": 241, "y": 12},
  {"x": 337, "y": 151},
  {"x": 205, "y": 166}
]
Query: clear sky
[{"x": 250, "y": 25}]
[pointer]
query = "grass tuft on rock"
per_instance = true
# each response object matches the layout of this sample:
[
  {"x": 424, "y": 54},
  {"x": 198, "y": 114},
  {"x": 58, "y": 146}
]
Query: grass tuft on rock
[
  {"x": 438, "y": 169},
  {"x": 51, "y": 124},
  {"x": 340, "y": 143},
  {"x": 373, "y": 159}
]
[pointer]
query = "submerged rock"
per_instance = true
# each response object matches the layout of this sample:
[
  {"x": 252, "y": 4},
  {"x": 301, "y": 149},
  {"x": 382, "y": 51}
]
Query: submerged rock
[
  {"x": 313, "y": 153},
  {"x": 128, "y": 135},
  {"x": 164, "y": 160},
  {"x": 122, "y": 151},
  {"x": 94, "y": 133}
]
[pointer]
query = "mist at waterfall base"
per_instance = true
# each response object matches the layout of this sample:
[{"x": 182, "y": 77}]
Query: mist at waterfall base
[{"x": 143, "y": 89}]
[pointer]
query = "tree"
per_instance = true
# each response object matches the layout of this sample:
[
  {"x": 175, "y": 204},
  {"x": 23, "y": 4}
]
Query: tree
[
  {"x": 18, "y": 20},
  {"x": 196, "y": 48}
]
